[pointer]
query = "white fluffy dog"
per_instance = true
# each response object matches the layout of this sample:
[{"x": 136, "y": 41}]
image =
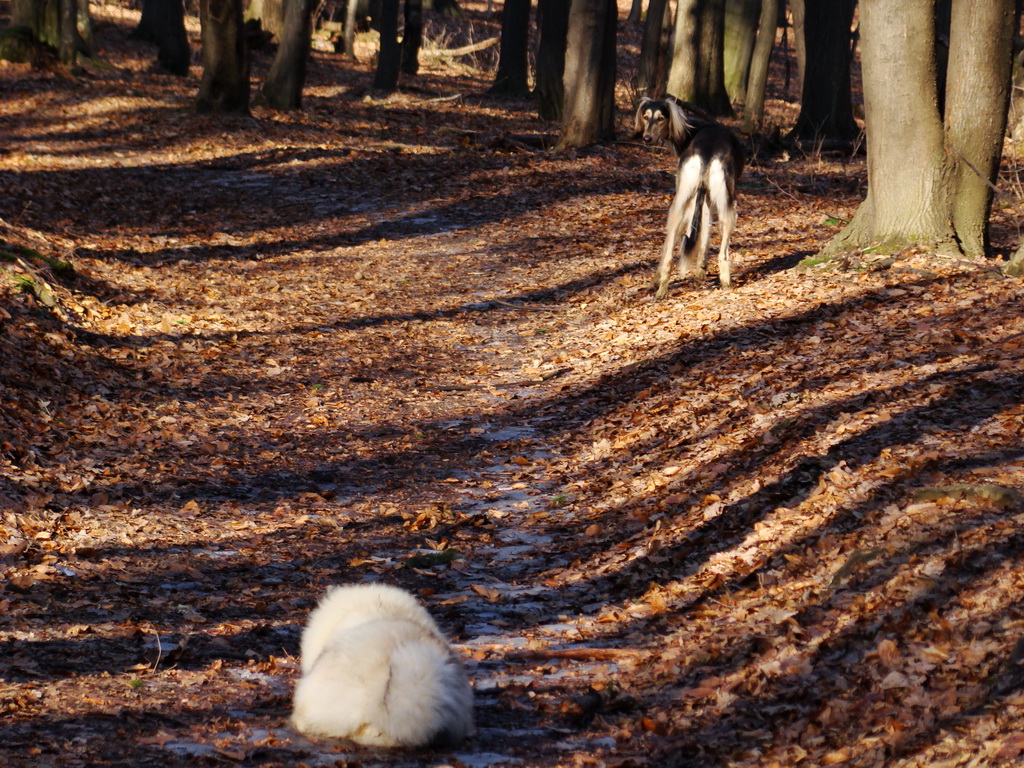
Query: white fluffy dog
[{"x": 377, "y": 670}]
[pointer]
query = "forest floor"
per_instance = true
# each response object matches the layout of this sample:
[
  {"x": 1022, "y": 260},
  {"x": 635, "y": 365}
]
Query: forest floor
[{"x": 395, "y": 340}]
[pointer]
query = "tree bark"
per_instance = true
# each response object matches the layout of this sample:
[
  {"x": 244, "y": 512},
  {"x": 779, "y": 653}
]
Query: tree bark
[
  {"x": 589, "y": 111},
  {"x": 553, "y": 19},
  {"x": 636, "y": 11},
  {"x": 511, "y": 79},
  {"x": 56, "y": 23},
  {"x": 225, "y": 83},
  {"x": 654, "y": 49},
  {"x": 741, "y": 24},
  {"x": 68, "y": 48},
  {"x": 826, "y": 107},
  {"x": 389, "y": 59},
  {"x": 283, "y": 87},
  {"x": 412, "y": 36},
  {"x": 697, "y": 74},
  {"x": 271, "y": 14},
  {"x": 977, "y": 97},
  {"x": 163, "y": 23},
  {"x": 928, "y": 180},
  {"x": 753, "y": 109}
]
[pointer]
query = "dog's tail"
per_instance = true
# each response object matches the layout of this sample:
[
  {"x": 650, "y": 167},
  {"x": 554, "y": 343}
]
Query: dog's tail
[{"x": 691, "y": 238}]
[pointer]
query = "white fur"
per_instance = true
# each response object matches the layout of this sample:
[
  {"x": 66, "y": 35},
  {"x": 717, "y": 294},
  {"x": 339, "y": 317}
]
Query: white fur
[{"x": 376, "y": 669}]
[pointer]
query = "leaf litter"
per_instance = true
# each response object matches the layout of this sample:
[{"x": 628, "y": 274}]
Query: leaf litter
[{"x": 774, "y": 526}]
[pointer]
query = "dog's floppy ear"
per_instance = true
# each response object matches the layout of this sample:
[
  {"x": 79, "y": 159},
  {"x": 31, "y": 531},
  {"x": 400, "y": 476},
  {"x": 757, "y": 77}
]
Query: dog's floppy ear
[
  {"x": 677, "y": 119},
  {"x": 638, "y": 126}
]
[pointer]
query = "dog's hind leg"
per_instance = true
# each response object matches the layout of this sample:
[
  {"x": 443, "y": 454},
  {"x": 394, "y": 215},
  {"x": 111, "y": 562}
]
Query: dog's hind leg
[
  {"x": 689, "y": 248},
  {"x": 686, "y": 190},
  {"x": 723, "y": 199}
]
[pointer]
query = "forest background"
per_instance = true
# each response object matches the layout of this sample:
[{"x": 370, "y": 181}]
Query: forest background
[{"x": 407, "y": 335}]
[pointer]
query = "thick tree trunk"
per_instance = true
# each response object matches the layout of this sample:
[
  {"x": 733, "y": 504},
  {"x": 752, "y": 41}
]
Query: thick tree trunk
[
  {"x": 553, "y": 18},
  {"x": 654, "y": 49},
  {"x": 512, "y": 77},
  {"x": 163, "y": 23},
  {"x": 753, "y": 109},
  {"x": 826, "y": 108},
  {"x": 56, "y": 23},
  {"x": 589, "y": 111},
  {"x": 389, "y": 59},
  {"x": 225, "y": 83},
  {"x": 271, "y": 14},
  {"x": 283, "y": 86},
  {"x": 977, "y": 95},
  {"x": 697, "y": 73},
  {"x": 412, "y": 36},
  {"x": 928, "y": 181},
  {"x": 741, "y": 23}
]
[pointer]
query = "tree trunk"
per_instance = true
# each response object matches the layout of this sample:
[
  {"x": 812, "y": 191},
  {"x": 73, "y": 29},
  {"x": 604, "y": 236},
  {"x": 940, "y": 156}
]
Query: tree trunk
[
  {"x": 56, "y": 23},
  {"x": 921, "y": 189},
  {"x": 589, "y": 111},
  {"x": 636, "y": 12},
  {"x": 389, "y": 59},
  {"x": 163, "y": 23},
  {"x": 283, "y": 86},
  {"x": 977, "y": 95},
  {"x": 654, "y": 49},
  {"x": 271, "y": 14},
  {"x": 799, "y": 41},
  {"x": 741, "y": 23},
  {"x": 511, "y": 79},
  {"x": 68, "y": 48},
  {"x": 553, "y": 19},
  {"x": 412, "y": 36},
  {"x": 826, "y": 107},
  {"x": 697, "y": 73},
  {"x": 349, "y": 30},
  {"x": 753, "y": 109},
  {"x": 225, "y": 83}
]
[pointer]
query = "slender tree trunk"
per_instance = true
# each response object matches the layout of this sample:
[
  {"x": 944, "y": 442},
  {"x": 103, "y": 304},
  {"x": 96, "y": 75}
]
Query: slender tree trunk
[
  {"x": 283, "y": 86},
  {"x": 753, "y": 109},
  {"x": 511, "y": 79},
  {"x": 636, "y": 11},
  {"x": 412, "y": 36},
  {"x": 389, "y": 59},
  {"x": 826, "y": 107},
  {"x": 741, "y": 23},
  {"x": 553, "y": 18},
  {"x": 589, "y": 111},
  {"x": 977, "y": 95},
  {"x": 797, "y": 7},
  {"x": 67, "y": 49},
  {"x": 654, "y": 49},
  {"x": 349, "y": 30},
  {"x": 225, "y": 83}
]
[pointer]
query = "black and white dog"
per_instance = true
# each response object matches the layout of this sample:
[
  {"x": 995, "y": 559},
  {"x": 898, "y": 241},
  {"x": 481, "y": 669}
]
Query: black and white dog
[{"x": 710, "y": 164}]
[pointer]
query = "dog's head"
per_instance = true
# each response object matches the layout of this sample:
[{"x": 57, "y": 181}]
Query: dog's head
[{"x": 661, "y": 121}]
